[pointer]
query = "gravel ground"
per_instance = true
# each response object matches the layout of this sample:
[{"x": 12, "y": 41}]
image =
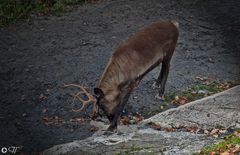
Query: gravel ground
[{"x": 39, "y": 55}]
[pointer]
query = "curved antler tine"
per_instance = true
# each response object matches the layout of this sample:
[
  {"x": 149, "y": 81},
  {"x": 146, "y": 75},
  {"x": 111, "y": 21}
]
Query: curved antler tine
[{"x": 90, "y": 97}]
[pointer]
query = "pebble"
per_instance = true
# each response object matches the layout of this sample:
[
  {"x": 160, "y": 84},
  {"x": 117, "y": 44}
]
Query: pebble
[
  {"x": 202, "y": 92},
  {"x": 132, "y": 121},
  {"x": 24, "y": 114}
]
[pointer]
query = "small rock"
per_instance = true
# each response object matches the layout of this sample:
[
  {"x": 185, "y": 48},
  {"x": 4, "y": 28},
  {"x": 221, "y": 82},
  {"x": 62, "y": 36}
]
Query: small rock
[
  {"x": 194, "y": 92},
  {"x": 42, "y": 97},
  {"x": 215, "y": 132},
  {"x": 24, "y": 114},
  {"x": 44, "y": 110},
  {"x": 203, "y": 92},
  {"x": 132, "y": 121},
  {"x": 205, "y": 131},
  {"x": 176, "y": 98},
  {"x": 23, "y": 97},
  {"x": 210, "y": 60},
  {"x": 135, "y": 97}
]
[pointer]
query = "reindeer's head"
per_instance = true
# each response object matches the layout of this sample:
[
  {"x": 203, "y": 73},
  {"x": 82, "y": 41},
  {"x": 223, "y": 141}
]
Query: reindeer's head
[{"x": 108, "y": 102}]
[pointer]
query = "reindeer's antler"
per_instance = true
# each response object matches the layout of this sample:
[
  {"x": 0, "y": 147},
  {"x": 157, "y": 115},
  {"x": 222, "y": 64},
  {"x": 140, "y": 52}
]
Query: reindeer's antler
[{"x": 91, "y": 98}]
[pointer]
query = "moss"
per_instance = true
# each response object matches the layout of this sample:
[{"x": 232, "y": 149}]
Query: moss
[
  {"x": 197, "y": 92},
  {"x": 233, "y": 140},
  {"x": 13, "y": 10}
]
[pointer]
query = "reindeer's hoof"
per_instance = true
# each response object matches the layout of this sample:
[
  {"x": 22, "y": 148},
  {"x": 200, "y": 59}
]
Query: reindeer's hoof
[
  {"x": 158, "y": 97},
  {"x": 155, "y": 85},
  {"x": 108, "y": 132},
  {"x": 112, "y": 128}
]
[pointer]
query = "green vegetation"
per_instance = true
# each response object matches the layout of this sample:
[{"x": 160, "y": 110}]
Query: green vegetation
[
  {"x": 13, "y": 10},
  {"x": 230, "y": 144},
  {"x": 197, "y": 92}
]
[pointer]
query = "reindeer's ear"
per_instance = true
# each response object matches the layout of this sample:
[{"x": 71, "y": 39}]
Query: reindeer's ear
[{"x": 98, "y": 92}]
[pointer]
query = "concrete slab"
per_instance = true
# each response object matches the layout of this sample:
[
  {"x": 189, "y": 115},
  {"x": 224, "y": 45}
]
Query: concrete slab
[
  {"x": 220, "y": 110},
  {"x": 143, "y": 141}
]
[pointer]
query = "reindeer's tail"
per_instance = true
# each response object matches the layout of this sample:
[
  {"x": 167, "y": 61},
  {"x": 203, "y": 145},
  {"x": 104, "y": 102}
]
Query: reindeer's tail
[{"x": 175, "y": 23}]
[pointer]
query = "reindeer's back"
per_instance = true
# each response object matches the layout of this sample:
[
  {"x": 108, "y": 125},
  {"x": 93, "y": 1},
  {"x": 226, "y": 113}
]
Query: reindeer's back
[{"x": 143, "y": 49}]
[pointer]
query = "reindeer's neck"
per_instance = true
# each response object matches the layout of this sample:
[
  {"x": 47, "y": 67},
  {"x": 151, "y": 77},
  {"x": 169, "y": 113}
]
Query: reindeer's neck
[{"x": 110, "y": 77}]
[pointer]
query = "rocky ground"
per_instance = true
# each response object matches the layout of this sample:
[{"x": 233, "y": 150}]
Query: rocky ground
[
  {"x": 183, "y": 130},
  {"x": 39, "y": 55}
]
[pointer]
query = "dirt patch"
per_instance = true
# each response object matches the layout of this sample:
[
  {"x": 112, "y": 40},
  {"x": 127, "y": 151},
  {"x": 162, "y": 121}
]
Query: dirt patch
[{"x": 40, "y": 55}]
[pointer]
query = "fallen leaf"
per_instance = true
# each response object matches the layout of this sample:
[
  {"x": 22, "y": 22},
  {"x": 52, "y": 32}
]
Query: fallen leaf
[
  {"x": 169, "y": 129},
  {"x": 191, "y": 129},
  {"x": 210, "y": 60},
  {"x": 225, "y": 153},
  {"x": 236, "y": 149},
  {"x": 215, "y": 133},
  {"x": 122, "y": 146},
  {"x": 125, "y": 120},
  {"x": 44, "y": 110},
  {"x": 93, "y": 129},
  {"x": 212, "y": 153},
  {"x": 237, "y": 134},
  {"x": 42, "y": 97},
  {"x": 199, "y": 78},
  {"x": 155, "y": 126},
  {"x": 183, "y": 100},
  {"x": 206, "y": 131},
  {"x": 53, "y": 120},
  {"x": 222, "y": 131}
]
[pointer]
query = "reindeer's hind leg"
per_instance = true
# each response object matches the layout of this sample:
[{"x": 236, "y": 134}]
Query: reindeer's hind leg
[{"x": 162, "y": 78}]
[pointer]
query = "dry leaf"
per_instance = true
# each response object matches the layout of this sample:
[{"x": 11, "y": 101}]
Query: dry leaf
[
  {"x": 155, "y": 126},
  {"x": 212, "y": 153},
  {"x": 78, "y": 120},
  {"x": 42, "y": 97},
  {"x": 93, "y": 129},
  {"x": 214, "y": 131},
  {"x": 225, "y": 153},
  {"x": 169, "y": 129},
  {"x": 44, "y": 110},
  {"x": 125, "y": 120}
]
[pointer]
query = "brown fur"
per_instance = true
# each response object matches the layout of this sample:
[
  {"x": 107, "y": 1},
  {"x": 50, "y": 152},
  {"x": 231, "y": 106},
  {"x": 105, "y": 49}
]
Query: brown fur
[{"x": 135, "y": 56}]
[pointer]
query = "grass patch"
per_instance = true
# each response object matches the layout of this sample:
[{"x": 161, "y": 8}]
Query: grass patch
[
  {"x": 13, "y": 10},
  {"x": 200, "y": 90},
  {"x": 196, "y": 92},
  {"x": 231, "y": 144}
]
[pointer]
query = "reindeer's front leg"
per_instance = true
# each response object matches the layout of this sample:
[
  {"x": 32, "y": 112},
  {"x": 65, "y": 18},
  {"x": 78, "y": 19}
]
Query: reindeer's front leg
[{"x": 124, "y": 96}]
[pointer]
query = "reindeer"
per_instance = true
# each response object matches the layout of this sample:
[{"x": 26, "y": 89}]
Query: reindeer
[{"x": 131, "y": 61}]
